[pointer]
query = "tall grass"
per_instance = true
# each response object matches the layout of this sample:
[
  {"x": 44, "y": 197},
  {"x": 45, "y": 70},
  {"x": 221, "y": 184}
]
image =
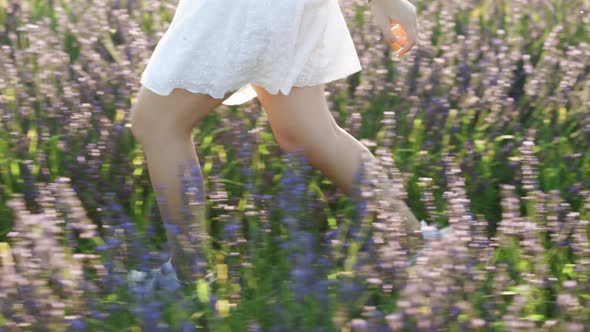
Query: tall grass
[{"x": 483, "y": 126}]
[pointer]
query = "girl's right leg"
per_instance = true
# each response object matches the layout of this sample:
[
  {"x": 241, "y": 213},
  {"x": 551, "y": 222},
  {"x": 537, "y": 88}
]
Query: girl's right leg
[
  {"x": 163, "y": 126},
  {"x": 302, "y": 119}
]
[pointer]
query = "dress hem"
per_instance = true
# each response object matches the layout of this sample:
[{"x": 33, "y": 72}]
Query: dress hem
[{"x": 162, "y": 91}]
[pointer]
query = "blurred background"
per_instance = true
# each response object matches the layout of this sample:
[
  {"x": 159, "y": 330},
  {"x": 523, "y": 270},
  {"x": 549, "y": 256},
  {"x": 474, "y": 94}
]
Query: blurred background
[{"x": 485, "y": 124}]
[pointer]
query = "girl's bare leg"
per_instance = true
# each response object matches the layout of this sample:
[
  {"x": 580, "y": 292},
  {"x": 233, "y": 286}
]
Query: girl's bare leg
[
  {"x": 163, "y": 125},
  {"x": 303, "y": 119}
]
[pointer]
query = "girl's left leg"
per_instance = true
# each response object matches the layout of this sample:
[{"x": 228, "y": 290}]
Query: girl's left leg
[{"x": 303, "y": 119}]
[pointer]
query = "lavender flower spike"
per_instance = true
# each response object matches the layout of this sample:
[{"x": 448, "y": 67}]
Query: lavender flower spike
[{"x": 430, "y": 233}]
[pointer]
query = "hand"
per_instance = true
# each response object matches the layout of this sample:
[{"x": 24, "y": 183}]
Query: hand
[{"x": 387, "y": 13}]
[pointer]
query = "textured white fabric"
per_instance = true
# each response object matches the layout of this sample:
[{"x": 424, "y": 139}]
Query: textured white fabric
[{"x": 218, "y": 46}]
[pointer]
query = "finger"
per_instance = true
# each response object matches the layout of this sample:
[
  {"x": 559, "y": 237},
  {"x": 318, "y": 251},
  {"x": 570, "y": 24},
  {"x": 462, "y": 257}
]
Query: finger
[
  {"x": 381, "y": 21},
  {"x": 392, "y": 36},
  {"x": 406, "y": 48},
  {"x": 388, "y": 35},
  {"x": 379, "y": 18},
  {"x": 409, "y": 46}
]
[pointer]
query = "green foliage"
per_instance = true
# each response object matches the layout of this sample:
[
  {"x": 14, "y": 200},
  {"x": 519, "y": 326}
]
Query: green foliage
[{"x": 59, "y": 119}]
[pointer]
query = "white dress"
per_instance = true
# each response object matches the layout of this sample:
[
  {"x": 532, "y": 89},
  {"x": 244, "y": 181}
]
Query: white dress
[{"x": 217, "y": 46}]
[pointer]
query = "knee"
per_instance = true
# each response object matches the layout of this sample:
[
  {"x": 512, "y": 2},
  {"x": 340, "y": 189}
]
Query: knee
[
  {"x": 146, "y": 125},
  {"x": 141, "y": 124}
]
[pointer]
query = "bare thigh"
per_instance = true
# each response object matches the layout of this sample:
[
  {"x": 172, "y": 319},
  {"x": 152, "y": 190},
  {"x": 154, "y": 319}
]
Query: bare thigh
[
  {"x": 300, "y": 118},
  {"x": 179, "y": 112}
]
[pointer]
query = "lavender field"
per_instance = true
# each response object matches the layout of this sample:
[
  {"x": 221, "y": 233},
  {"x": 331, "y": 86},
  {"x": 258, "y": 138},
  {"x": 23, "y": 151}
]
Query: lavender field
[{"x": 483, "y": 127}]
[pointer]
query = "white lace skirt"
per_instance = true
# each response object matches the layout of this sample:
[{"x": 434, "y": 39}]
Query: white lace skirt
[{"x": 217, "y": 46}]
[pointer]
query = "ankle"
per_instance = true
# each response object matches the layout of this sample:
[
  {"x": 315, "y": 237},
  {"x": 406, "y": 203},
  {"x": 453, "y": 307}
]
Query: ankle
[{"x": 181, "y": 272}]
